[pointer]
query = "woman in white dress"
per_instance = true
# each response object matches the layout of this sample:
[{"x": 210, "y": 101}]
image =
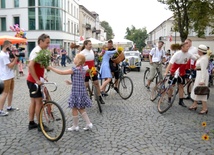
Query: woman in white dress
[{"x": 202, "y": 78}]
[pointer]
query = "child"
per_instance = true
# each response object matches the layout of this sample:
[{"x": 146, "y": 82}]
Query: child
[{"x": 79, "y": 99}]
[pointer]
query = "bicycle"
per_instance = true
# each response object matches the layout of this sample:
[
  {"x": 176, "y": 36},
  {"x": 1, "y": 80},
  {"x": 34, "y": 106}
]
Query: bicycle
[
  {"x": 51, "y": 115},
  {"x": 164, "y": 103},
  {"x": 125, "y": 83},
  {"x": 92, "y": 91},
  {"x": 158, "y": 89},
  {"x": 157, "y": 77}
]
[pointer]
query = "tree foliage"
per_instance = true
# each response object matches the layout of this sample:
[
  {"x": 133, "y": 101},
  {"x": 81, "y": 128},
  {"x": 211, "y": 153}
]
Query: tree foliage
[
  {"x": 191, "y": 14},
  {"x": 138, "y": 36},
  {"x": 108, "y": 29}
]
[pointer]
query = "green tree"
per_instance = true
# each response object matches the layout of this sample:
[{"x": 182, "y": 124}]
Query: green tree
[
  {"x": 190, "y": 14},
  {"x": 108, "y": 29},
  {"x": 138, "y": 36}
]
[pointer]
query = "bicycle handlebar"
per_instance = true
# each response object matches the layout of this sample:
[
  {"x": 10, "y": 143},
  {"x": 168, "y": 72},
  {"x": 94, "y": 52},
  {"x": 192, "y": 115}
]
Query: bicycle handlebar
[{"x": 37, "y": 86}]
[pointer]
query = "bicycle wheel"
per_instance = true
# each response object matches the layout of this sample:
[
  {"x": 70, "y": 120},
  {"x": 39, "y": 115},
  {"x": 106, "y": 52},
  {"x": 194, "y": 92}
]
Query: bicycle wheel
[
  {"x": 146, "y": 75},
  {"x": 164, "y": 103},
  {"x": 125, "y": 87},
  {"x": 97, "y": 98},
  {"x": 189, "y": 87},
  {"x": 157, "y": 90},
  {"x": 52, "y": 117}
]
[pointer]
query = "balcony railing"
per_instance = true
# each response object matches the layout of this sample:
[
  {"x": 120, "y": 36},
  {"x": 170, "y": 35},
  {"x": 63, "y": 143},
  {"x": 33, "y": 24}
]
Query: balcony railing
[
  {"x": 88, "y": 26},
  {"x": 98, "y": 31}
]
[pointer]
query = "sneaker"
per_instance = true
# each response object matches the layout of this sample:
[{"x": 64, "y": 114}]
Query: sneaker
[
  {"x": 32, "y": 126},
  {"x": 12, "y": 109},
  {"x": 73, "y": 128},
  {"x": 3, "y": 113},
  {"x": 88, "y": 127},
  {"x": 46, "y": 129},
  {"x": 116, "y": 89},
  {"x": 101, "y": 100}
]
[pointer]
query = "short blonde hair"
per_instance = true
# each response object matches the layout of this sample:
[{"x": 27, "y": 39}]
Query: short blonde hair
[{"x": 81, "y": 58}]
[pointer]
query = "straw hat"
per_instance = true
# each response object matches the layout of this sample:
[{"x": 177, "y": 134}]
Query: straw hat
[{"x": 202, "y": 48}]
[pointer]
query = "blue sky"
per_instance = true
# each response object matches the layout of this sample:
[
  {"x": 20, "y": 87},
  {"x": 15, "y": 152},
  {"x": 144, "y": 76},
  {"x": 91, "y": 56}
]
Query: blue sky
[{"x": 122, "y": 14}]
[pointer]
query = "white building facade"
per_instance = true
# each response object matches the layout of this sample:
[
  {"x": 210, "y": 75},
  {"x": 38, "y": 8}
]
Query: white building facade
[
  {"x": 165, "y": 32},
  {"x": 57, "y": 18}
]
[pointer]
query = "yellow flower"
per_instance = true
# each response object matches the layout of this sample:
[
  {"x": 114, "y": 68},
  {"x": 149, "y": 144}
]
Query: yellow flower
[
  {"x": 205, "y": 137},
  {"x": 204, "y": 124},
  {"x": 119, "y": 49}
]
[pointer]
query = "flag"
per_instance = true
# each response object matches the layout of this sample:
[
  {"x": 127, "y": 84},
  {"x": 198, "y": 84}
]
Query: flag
[
  {"x": 170, "y": 38},
  {"x": 81, "y": 38}
]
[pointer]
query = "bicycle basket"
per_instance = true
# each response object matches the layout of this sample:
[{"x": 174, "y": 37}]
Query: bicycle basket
[{"x": 119, "y": 58}]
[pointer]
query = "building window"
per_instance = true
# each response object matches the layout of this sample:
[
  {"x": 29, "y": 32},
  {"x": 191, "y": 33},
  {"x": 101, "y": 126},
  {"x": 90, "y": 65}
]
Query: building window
[
  {"x": 68, "y": 7},
  {"x": 31, "y": 19},
  {"x": 2, "y": 4},
  {"x": 72, "y": 27},
  {"x": 16, "y": 3},
  {"x": 69, "y": 27},
  {"x": 31, "y": 2},
  {"x": 54, "y": 3},
  {"x": 72, "y": 9},
  {"x": 3, "y": 24},
  {"x": 16, "y": 20},
  {"x": 50, "y": 19}
]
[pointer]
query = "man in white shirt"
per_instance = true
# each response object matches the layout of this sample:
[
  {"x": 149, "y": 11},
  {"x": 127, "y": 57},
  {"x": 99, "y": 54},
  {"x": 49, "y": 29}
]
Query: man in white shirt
[
  {"x": 156, "y": 57},
  {"x": 7, "y": 75},
  {"x": 179, "y": 61}
]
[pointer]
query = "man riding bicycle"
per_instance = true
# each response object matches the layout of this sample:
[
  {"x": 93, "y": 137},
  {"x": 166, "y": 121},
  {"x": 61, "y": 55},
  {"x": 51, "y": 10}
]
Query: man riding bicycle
[
  {"x": 179, "y": 60},
  {"x": 156, "y": 56}
]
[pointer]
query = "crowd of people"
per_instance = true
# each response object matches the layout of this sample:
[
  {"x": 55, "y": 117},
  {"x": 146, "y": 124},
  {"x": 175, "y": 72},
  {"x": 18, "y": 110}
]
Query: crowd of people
[{"x": 187, "y": 58}]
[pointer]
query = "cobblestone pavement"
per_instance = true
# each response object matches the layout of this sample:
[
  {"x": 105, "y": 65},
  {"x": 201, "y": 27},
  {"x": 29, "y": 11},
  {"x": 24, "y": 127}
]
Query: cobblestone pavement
[{"x": 130, "y": 126}]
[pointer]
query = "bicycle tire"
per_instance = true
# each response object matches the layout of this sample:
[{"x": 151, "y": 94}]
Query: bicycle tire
[
  {"x": 156, "y": 91},
  {"x": 97, "y": 99},
  {"x": 145, "y": 77},
  {"x": 123, "y": 85},
  {"x": 108, "y": 87},
  {"x": 189, "y": 87},
  {"x": 48, "y": 116},
  {"x": 163, "y": 103}
]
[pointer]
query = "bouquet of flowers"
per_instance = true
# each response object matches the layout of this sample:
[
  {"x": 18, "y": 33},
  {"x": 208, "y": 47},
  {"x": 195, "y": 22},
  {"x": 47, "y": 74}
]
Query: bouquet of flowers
[
  {"x": 118, "y": 56},
  {"x": 43, "y": 58},
  {"x": 92, "y": 72}
]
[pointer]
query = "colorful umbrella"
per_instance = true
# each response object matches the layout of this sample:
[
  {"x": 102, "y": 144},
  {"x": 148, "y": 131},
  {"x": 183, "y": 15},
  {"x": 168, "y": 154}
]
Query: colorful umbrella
[{"x": 13, "y": 40}]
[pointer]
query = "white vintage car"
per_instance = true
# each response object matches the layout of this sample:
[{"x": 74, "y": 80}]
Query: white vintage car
[{"x": 133, "y": 59}]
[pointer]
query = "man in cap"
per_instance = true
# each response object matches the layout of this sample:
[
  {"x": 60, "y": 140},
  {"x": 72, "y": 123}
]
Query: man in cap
[{"x": 156, "y": 57}]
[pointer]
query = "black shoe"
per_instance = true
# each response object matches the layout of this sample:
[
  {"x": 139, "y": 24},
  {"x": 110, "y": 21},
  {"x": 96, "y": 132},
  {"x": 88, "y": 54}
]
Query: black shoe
[
  {"x": 187, "y": 98},
  {"x": 45, "y": 127},
  {"x": 182, "y": 104},
  {"x": 199, "y": 102},
  {"x": 116, "y": 89},
  {"x": 101, "y": 100},
  {"x": 104, "y": 94},
  {"x": 32, "y": 125}
]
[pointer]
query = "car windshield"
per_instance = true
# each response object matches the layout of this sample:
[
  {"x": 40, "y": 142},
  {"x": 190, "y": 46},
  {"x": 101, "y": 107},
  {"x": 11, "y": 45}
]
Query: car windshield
[{"x": 127, "y": 54}]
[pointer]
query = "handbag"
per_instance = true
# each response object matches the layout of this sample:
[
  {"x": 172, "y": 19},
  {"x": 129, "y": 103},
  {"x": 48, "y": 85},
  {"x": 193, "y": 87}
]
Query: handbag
[{"x": 202, "y": 90}]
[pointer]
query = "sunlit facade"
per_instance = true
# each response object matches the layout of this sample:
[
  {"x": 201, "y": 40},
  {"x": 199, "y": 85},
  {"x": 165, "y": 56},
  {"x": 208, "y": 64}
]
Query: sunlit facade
[{"x": 57, "y": 18}]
